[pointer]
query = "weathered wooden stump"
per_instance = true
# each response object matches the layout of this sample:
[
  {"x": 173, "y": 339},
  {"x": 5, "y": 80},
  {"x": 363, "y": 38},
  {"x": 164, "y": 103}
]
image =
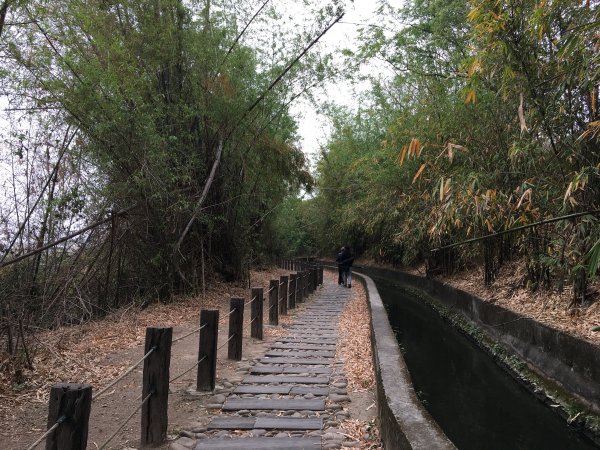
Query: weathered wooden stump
[{"x": 207, "y": 350}]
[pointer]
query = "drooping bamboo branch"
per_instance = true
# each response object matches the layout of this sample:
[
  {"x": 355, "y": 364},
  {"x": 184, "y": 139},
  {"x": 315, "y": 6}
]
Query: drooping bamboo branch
[
  {"x": 66, "y": 238},
  {"x": 202, "y": 199}
]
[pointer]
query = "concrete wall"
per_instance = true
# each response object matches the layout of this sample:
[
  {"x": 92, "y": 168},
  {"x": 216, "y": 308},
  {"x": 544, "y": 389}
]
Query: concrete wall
[
  {"x": 404, "y": 422},
  {"x": 571, "y": 362}
]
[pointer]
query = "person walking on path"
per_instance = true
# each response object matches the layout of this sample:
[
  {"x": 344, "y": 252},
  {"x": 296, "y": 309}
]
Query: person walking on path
[
  {"x": 345, "y": 260},
  {"x": 338, "y": 259}
]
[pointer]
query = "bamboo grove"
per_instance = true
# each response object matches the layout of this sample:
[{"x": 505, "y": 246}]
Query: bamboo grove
[
  {"x": 489, "y": 122},
  {"x": 144, "y": 146}
]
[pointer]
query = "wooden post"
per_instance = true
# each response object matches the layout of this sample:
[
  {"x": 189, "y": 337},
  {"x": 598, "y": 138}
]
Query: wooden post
[
  {"x": 293, "y": 288},
  {"x": 236, "y": 328},
  {"x": 299, "y": 291},
  {"x": 315, "y": 277},
  {"x": 306, "y": 284},
  {"x": 156, "y": 382},
  {"x": 256, "y": 313},
  {"x": 321, "y": 274},
  {"x": 207, "y": 350},
  {"x": 273, "y": 303},
  {"x": 283, "y": 294},
  {"x": 71, "y": 403}
]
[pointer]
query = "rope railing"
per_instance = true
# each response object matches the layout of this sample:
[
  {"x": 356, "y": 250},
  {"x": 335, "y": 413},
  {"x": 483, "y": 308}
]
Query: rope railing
[
  {"x": 157, "y": 339},
  {"x": 226, "y": 342},
  {"x": 231, "y": 312},
  {"x": 520, "y": 228},
  {"x": 188, "y": 370},
  {"x": 126, "y": 421},
  {"x": 127, "y": 372},
  {"x": 188, "y": 334},
  {"x": 251, "y": 300},
  {"x": 50, "y": 430}
]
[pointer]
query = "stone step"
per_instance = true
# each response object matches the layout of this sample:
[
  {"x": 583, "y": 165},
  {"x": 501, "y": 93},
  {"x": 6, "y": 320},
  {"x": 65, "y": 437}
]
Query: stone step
[
  {"x": 281, "y": 360},
  {"x": 272, "y": 369},
  {"x": 262, "y": 389},
  {"x": 301, "y": 354},
  {"x": 282, "y": 390},
  {"x": 302, "y": 346},
  {"x": 283, "y": 404},
  {"x": 262, "y": 443},
  {"x": 278, "y": 379},
  {"x": 265, "y": 423},
  {"x": 325, "y": 341}
]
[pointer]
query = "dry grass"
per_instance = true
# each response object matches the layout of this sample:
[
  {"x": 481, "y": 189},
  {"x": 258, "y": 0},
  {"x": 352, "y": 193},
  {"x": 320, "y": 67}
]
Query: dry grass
[
  {"x": 366, "y": 433},
  {"x": 77, "y": 354},
  {"x": 354, "y": 348},
  {"x": 548, "y": 307}
]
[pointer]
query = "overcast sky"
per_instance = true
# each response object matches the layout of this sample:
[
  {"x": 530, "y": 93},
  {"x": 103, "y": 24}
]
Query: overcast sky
[{"x": 314, "y": 127}]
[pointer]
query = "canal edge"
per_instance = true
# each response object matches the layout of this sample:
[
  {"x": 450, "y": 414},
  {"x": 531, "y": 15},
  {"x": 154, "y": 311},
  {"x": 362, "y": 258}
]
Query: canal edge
[{"x": 404, "y": 422}]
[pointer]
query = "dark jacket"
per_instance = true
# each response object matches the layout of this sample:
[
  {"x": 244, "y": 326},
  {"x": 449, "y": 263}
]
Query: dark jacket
[{"x": 345, "y": 258}]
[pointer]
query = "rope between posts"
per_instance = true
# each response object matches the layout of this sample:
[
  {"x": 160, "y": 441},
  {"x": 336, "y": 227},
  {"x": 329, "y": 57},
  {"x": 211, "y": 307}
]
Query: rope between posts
[
  {"x": 251, "y": 300},
  {"x": 50, "y": 430},
  {"x": 187, "y": 335},
  {"x": 269, "y": 291},
  {"x": 226, "y": 342},
  {"x": 127, "y": 372},
  {"x": 126, "y": 420},
  {"x": 231, "y": 312},
  {"x": 188, "y": 370}
]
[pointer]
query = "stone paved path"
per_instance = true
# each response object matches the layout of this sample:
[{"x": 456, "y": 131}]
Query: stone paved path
[{"x": 292, "y": 398}]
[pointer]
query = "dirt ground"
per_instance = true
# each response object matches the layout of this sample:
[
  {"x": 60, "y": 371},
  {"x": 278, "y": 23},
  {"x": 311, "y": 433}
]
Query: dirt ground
[{"x": 98, "y": 352}]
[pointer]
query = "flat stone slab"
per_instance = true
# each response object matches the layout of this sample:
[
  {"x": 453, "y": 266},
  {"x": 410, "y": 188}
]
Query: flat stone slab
[
  {"x": 314, "y": 390},
  {"x": 267, "y": 369},
  {"x": 314, "y": 333},
  {"x": 288, "y": 423},
  {"x": 263, "y": 443},
  {"x": 303, "y": 369},
  {"x": 262, "y": 389},
  {"x": 322, "y": 322},
  {"x": 301, "y": 354},
  {"x": 302, "y": 346},
  {"x": 265, "y": 423},
  {"x": 282, "y": 404},
  {"x": 267, "y": 379},
  {"x": 231, "y": 423},
  {"x": 277, "y": 360},
  {"x": 271, "y": 369},
  {"x": 307, "y": 340},
  {"x": 311, "y": 330}
]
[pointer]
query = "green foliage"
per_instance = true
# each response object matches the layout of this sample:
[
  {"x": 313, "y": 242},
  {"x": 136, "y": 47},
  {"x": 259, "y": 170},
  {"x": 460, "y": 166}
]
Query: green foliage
[
  {"x": 154, "y": 90},
  {"x": 488, "y": 124}
]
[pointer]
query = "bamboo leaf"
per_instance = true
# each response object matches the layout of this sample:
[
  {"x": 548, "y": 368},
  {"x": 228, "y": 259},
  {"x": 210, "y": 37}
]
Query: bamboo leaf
[
  {"x": 419, "y": 172},
  {"x": 522, "y": 115},
  {"x": 402, "y": 155},
  {"x": 593, "y": 258},
  {"x": 471, "y": 96}
]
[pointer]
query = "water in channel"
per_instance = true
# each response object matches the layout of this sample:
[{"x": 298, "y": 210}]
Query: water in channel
[{"x": 477, "y": 404}]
